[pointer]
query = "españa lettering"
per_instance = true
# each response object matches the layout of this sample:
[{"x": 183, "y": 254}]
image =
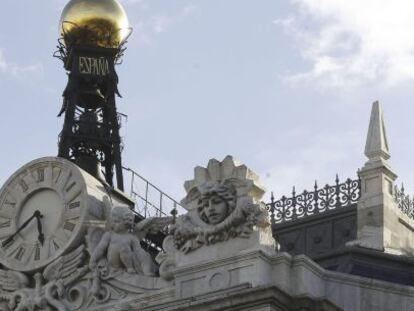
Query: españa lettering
[{"x": 94, "y": 66}]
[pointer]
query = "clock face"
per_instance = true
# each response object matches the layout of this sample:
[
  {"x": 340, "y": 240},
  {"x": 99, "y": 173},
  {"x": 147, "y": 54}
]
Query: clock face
[{"x": 52, "y": 187}]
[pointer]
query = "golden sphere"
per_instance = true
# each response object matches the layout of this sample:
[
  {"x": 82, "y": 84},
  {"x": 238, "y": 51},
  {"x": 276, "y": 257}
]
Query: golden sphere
[{"x": 101, "y": 23}]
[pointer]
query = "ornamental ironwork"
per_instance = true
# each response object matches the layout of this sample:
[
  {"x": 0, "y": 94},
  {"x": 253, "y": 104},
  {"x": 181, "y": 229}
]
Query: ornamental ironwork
[
  {"x": 404, "y": 201},
  {"x": 320, "y": 200}
]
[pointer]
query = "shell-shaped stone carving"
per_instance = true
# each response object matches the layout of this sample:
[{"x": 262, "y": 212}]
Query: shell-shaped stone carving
[{"x": 229, "y": 170}]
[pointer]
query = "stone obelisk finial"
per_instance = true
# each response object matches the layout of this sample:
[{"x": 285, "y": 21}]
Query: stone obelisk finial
[
  {"x": 376, "y": 147},
  {"x": 378, "y": 217}
]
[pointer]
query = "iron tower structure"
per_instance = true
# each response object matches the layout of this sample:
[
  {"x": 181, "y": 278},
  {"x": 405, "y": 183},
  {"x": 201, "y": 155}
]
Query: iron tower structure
[{"x": 90, "y": 135}]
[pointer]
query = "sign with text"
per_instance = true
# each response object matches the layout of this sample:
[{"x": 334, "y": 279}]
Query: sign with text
[
  {"x": 93, "y": 66},
  {"x": 100, "y": 66}
]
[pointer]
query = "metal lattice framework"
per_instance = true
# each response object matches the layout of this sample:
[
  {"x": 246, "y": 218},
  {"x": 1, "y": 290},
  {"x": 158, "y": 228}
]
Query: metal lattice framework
[
  {"x": 318, "y": 201},
  {"x": 91, "y": 129},
  {"x": 404, "y": 201}
]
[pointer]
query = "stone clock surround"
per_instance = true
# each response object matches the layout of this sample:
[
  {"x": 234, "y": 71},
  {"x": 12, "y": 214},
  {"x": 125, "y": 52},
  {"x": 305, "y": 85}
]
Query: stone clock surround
[{"x": 75, "y": 195}]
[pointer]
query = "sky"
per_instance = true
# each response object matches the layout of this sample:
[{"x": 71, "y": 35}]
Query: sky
[{"x": 285, "y": 86}]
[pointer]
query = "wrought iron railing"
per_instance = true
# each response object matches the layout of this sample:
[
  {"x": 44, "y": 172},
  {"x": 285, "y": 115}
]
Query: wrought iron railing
[
  {"x": 404, "y": 201},
  {"x": 318, "y": 201},
  {"x": 150, "y": 201}
]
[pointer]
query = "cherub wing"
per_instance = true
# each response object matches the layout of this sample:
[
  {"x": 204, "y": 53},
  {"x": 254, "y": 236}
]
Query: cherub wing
[
  {"x": 100, "y": 209},
  {"x": 66, "y": 267},
  {"x": 107, "y": 207},
  {"x": 151, "y": 226},
  {"x": 93, "y": 238},
  {"x": 11, "y": 281}
]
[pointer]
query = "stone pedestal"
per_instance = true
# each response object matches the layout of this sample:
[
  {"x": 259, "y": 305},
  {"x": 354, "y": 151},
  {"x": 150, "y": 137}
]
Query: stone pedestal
[
  {"x": 227, "y": 264},
  {"x": 375, "y": 204},
  {"x": 260, "y": 239}
]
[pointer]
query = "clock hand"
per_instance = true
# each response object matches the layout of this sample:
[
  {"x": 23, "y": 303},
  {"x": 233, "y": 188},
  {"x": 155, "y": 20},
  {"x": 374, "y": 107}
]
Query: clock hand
[
  {"x": 41, "y": 236},
  {"x": 10, "y": 238}
]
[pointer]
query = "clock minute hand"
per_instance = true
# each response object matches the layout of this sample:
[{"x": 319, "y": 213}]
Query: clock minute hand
[{"x": 24, "y": 225}]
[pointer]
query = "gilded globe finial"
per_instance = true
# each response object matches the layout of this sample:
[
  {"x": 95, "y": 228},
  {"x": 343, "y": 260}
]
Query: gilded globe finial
[{"x": 101, "y": 23}]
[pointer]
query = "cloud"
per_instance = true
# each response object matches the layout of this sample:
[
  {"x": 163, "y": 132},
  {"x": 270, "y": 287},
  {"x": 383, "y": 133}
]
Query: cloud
[
  {"x": 352, "y": 43},
  {"x": 156, "y": 24},
  {"x": 3, "y": 63},
  {"x": 19, "y": 71}
]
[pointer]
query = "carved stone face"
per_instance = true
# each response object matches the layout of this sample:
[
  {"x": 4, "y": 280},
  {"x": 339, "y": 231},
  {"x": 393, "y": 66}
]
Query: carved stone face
[
  {"x": 121, "y": 219},
  {"x": 117, "y": 224},
  {"x": 214, "y": 209},
  {"x": 216, "y": 202}
]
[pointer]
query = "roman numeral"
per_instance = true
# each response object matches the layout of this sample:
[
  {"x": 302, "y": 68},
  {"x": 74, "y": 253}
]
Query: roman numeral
[
  {"x": 15, "y": 195},
  {"x": 7, "y": 210},
  {"x": 7, "y": 246},
  {"x": 37, "y": 253},
  {"x": 12, "y": 246},
  {"x": 5, "y": 224},
  {"x": 9, "y": 203},
  {"x": 74, "y": 205},
  {"x": 57, "y": 172},
  {"x": 69, "y": 225},
  {"x": 23, "y": 185},
  {"x": 63, "y": 181},
  {"x": 40, "y": 175},
  {"x": 55, "y": 245},
  {"x": 20, "y": 253},
  {"x": 70, "y": 186}
]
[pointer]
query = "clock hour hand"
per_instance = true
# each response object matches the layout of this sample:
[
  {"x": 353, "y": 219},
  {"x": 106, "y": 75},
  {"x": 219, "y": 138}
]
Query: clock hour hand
[
  {"x": 24, "y": 225},
  {"x": 41, "y": 236}
]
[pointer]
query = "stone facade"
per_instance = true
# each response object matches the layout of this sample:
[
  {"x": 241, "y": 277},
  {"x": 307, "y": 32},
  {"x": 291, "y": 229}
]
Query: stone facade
[
  {"x": 220, "y": 255},
  {"x": 232, "y": 284}
]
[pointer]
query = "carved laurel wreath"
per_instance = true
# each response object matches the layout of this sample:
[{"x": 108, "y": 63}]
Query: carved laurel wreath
[{"x": 188, "y": 236}]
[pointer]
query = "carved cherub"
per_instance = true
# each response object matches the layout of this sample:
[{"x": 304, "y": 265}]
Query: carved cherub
[{"x": 120, "y": 248}]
